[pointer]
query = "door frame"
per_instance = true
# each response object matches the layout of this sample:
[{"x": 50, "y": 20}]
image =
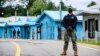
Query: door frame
[{"x": 91, "y": 28}]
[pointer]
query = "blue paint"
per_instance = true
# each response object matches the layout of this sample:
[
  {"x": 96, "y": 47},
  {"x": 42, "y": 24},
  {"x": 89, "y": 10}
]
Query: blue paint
[
  {"x": 21, "y": 24},
  {"x": 48, "y": 22}
]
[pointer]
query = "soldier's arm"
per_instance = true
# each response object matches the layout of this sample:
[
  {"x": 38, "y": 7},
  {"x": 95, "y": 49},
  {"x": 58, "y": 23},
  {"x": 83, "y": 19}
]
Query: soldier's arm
[
  {"x": 75, "y": 22},
  {"x": 64, "y": 22}
]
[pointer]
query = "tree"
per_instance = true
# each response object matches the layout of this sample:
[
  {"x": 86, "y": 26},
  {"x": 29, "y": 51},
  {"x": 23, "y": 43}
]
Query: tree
[
  {"x": 92, "y": 3},
  {"x": 1, "y": 8},
  {"x": 8, "y": 10},
  {"x": 50, "y": 6},
  {"x": 2, "y": 2},
  {"x": 37, "y": 7},
  {"x": 63, "y": 7},
  {"x": 27, "y": 4},
  {"x": 74, "y": 9},
  {"x": 21, "y": 11}
]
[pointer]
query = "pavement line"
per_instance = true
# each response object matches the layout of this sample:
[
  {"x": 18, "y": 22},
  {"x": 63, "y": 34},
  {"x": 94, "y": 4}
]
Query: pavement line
[
  {"x": 17, "y": 48},
  {"x": 89, "y": 47}
]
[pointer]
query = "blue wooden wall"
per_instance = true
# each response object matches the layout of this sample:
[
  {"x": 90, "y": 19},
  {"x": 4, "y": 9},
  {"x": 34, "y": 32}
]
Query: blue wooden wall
[{"x": 49, "y": 28}]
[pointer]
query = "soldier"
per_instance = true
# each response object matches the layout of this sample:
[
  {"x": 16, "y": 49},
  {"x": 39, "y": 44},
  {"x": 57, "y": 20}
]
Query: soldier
[
  {"x": 18, "y": 34},
  {"x": 59, "y": 33},
  {"x": 33, "y": 33},
  {"x": 14, "y": 33},
  {"x": 28, "y": 32},
  {"x": 69, "y": 22}
]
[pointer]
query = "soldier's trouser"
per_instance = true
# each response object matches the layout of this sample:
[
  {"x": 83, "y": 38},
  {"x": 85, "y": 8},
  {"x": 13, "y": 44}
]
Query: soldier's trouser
[{"x": 67, "y": 36}]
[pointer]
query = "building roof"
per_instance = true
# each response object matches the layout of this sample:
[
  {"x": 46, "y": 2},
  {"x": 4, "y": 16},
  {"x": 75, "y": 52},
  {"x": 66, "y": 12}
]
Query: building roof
[
  {"x": 19, "y": 21},
  {"x": 55, "y": 15},
  {"x": 15, "y": 23},
  {"x": 27, "y": 19},
  {"x": 90, "y": 11},
  {"x": 2, "y": 24},
  {"x": 94, "y": 7},
  {"x": 2, "y": 19},
  {"x": 31, "y": 20},
  {"x": 19, "y": 18}
]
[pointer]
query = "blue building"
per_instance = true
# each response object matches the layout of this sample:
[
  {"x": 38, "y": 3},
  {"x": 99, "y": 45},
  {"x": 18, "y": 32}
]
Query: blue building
[
  {"x": 42, "y": 27},
  {"x": 21, "y": 28},
  {"x": 50, "y": 21}
]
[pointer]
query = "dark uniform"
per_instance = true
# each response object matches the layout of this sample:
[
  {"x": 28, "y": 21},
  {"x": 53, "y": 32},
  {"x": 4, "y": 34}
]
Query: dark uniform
[
  {"x": 33, "y": 33},
  {"x": 59, "y": 33},
  {"x": 14, "y": 33},
  {"x": 18, "y": 34},
  {"x": 69, "y": 22}
]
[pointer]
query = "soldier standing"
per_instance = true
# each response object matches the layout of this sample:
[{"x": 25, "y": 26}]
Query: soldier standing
[
  {"x": 33, "y": 33},
  {"x": 14, "y": 33},
  {"x": 18, "y": 34},
  {"x": 69, "y": 22}
]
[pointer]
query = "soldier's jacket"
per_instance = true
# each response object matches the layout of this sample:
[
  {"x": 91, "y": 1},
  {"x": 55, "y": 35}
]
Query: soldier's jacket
[{"x": 69, "y": 20}]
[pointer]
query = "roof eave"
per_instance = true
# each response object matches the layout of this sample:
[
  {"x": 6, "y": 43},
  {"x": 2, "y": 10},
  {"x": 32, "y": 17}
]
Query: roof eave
[{"x": 85, "y": 13}]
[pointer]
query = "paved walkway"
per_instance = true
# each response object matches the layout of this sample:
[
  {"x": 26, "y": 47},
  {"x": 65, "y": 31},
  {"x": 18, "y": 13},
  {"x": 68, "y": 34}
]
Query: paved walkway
[{"x": 41, "y": 48}]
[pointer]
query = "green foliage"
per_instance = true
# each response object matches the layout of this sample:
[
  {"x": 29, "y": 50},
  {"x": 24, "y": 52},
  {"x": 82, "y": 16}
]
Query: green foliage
[
  {"x": 36, "y": 7},
  {"x": 30, "y": 3},
  {"x": 51, "y": 6},
  {"x": 9, "y": 11},
  {"x": 1, "y": 8},
  {"x": 2, "y": 2},
  {"x": 74, "y": 9},
  {"x": 63, "y": 7},
  {"x": 90, "y": 41},
  {"x": 21, "y": 11},
  {"x": 92, "y": 3},
  {"x": 27, "y": 3}
]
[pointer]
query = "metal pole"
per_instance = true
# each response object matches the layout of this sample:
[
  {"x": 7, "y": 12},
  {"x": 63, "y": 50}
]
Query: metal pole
[
  {"x": 15, "y": 15},
  {"x": 96, "y": 37},
  {"x": 27, "y": 12},
  {"x": 87, "y": 35},
  {"x": 81, "y": 36},
  {"x": 87, "y": 31},
  {"x": 60, "y": 9}
]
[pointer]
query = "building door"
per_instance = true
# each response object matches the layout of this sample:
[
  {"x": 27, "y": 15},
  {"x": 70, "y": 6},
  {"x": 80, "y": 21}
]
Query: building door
[
  {"x": 5, "y": 32},
  {"x": 14, "y": 34},
  {"x": 22, "y": 32},
  {"x": 59, "y": 33},
  {"x": 39, "y": 33},
  {"x": 26, "y": 32},
  {"x": 91, "y": 28}
]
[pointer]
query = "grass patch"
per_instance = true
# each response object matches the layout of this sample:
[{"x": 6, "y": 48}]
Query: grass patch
[{"x": 90, "y": 41}]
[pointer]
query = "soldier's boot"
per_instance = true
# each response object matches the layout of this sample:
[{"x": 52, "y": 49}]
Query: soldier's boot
[
  {"x": 75, "y": 53},
  {"x": 64, "y": 53}
]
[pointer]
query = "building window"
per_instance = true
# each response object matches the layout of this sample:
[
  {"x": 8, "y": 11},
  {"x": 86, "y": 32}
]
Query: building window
[
  {"x": 96, "y": 22},
  {"x": 85, "y": 25},
  {"x": 38, "y": 30}
]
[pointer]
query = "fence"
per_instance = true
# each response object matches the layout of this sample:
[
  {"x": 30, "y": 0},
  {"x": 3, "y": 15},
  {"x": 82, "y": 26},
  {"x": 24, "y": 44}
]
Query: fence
[{"x": 86, "y": 36}]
